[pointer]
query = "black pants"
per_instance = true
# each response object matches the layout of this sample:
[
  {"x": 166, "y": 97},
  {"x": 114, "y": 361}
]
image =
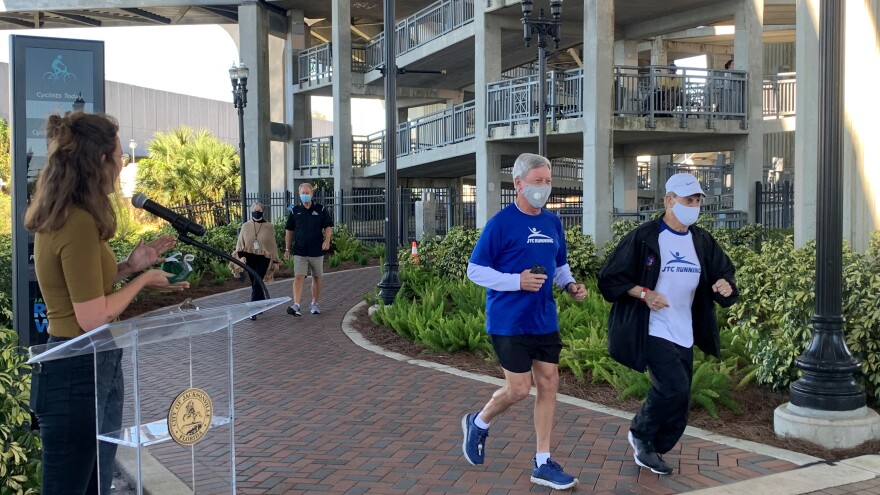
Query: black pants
[
  {"x": 63, "y": 398},
  {"x": 663, "y": 417},
  {"x": 260, "y": 264}
]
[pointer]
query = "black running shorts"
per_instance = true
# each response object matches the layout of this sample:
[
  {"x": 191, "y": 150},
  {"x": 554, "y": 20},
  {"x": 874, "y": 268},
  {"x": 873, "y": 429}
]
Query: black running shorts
[{"x": 516, "y": 352}]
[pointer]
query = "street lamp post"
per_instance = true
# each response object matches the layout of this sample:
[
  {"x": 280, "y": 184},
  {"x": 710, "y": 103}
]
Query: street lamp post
[
  {"x": 543, "y": 28},
  {"x": 133, "y": 145},
  {"x": 827, "y": 382},
  {"x": 390, "y": 284},
  {"x": 238, "y": 75}
]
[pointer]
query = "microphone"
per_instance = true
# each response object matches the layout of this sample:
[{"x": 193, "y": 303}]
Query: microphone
[{"x": 179, "y": 222}]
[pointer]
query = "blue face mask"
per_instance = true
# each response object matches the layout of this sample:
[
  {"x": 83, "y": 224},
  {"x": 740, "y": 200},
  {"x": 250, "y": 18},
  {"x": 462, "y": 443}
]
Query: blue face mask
[{"x": 305, "y": 198}]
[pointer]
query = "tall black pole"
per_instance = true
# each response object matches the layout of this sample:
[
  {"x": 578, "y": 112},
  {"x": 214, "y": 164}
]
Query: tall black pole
[
  {"x": 390, "y": 284},
  {"x": 244, "y": 208},
  {"x": 542, "y": 27},
  {"x": 827, "y": 382},
  {"x": 542, "y": 95}
]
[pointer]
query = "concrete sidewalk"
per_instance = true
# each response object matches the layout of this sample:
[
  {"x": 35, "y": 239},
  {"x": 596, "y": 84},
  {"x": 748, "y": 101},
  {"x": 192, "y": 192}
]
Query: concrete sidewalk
[{"x": 319, "y": 410}]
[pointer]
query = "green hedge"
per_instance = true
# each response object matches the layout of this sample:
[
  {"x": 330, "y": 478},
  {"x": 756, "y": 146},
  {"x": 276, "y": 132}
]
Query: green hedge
[
  {"x": 773, "y": 316},
  {"x": 19, "y": 446}
]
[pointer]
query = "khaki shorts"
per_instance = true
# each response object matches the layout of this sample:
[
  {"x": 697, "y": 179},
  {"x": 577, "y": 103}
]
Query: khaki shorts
[{"x": 303, "y": 264}]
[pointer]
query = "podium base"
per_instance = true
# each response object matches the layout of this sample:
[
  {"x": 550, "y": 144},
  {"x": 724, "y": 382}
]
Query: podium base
[{"x": 161, "y": 480}]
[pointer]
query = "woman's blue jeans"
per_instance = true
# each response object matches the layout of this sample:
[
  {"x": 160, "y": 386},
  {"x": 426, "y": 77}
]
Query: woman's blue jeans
[{"x": 63, "y": 398}]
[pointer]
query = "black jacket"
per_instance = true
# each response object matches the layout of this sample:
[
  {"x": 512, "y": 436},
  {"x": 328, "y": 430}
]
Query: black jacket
[{"x": 636, "y": 261}]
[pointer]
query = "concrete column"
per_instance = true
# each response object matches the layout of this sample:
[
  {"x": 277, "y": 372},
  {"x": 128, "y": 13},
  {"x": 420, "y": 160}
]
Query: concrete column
[
  {"x": 598, "y": 93},
  {"x": 806, "y": 142},
  {"x": 342, "y": 133},
  {"x": 426, "y": 216},
  {"x": 297, "y": 108},
  {"x": 253, "y": 25},
  {"x": 748, "y": 156},
  {"x": 658, "y": 176},
  {"x": 626, "y": 52},
  {"x": 861, "y": 149},
  {"x": 658, "y": 51},
  {"x": 487, "y": 64},
  {"x": 626, "y": 184}
]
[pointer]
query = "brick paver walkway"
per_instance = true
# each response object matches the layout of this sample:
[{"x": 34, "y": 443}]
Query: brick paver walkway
[{"x": 317, "y": 413}]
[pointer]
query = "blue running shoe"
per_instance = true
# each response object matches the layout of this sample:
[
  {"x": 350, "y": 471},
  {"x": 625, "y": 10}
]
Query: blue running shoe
[
  {"x": 551, "y": 474},
  {"x": 474, "y": 444}
]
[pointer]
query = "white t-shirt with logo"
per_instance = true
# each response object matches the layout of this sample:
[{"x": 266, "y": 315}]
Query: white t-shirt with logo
[{"x": 679, "y": 277}]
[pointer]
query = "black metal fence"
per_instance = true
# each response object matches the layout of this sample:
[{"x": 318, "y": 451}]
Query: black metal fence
[{"x": 774, "y": 204}]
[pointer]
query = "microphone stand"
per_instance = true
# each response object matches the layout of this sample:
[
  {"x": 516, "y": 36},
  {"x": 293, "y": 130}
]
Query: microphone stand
[{"x": 186, "y": 239}]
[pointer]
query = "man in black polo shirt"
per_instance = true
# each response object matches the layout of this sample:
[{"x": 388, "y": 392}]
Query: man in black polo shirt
[{"x": 310, "y": 226}]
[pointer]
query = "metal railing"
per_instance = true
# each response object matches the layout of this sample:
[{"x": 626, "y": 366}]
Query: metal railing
[
  {"x": 425, "y": 25},
  {"x": 316, "y": 63},
  {"x": 779, "y": 92},
  {"x": 689, "y": 93},
  {"x": 714, "y": 179},
  {"x": 562, "y": 168},
  {"x": 644, "y": 175},
  {"x": 449, "y": 126},
  {"x": 315, "y": 154},
  {"x": 774, "y": 204},
  {"x": 515, "y": 101}
]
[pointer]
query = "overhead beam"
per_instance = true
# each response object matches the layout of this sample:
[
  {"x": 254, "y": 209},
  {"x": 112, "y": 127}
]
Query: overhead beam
[
  {"x": 573, "y": 53},
  {"x": 80, "y": 5},
  {"x": 355, "y": 30},
  {"x": 232, "y": 15},
  {"x": 321, "y": 38},
  {"x": 680, "y": 20},
  {"x": 88, "y": 21},
  {"x": 695, "y": 48},
  {"x": 17, "y": 22},
  {"x": 147, "y": 15}
]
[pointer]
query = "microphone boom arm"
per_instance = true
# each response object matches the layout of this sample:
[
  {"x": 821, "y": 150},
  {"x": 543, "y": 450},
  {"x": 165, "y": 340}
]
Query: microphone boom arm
[{"x": 186, "y": 239}]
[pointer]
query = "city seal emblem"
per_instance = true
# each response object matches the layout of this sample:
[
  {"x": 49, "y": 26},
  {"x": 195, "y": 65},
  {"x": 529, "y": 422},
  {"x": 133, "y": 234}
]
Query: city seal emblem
[{"x": 190, "y": 416}]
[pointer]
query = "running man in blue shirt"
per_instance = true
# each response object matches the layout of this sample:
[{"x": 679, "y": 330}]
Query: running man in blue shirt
[{"x": 516, "y": 251}]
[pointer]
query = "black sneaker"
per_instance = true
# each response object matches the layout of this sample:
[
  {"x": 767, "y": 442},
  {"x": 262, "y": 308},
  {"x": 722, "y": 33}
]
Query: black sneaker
[
  {"x": 645, "y": 456},
  {"x": 294, "y": 310}
]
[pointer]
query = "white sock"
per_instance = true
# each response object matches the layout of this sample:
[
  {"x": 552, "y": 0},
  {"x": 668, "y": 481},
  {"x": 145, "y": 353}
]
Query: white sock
[
  {"x": 479, "y": 423},
  {"x": 541, "y": 459}
]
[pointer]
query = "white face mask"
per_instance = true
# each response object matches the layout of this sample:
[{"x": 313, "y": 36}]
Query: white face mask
[
  {"x": 687, "y": 215},
  {"x": 536, "y": 195}
]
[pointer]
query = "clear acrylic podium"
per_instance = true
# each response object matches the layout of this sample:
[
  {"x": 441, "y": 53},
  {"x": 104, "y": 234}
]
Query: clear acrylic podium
[{"x": 167, "y": 416}]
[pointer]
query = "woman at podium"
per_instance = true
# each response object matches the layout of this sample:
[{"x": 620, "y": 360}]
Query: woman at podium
[{"x": 72, "y": 217}]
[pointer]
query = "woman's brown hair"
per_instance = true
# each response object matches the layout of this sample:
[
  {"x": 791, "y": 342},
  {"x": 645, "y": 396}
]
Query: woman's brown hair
[{"x": 79, "y": 171}]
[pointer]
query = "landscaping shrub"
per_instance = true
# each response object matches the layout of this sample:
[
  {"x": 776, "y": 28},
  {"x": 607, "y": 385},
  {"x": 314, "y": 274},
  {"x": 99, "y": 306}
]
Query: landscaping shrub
[
  {"x": 774, "y": 314},
  {"x": 5, "y": 280},
  {"x": 582, "y": 257},
  {"x": 19, "y": 446}
]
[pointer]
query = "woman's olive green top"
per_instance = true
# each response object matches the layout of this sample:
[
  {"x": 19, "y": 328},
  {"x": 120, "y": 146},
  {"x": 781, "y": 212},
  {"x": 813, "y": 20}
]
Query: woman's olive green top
[{"x": 73, "y": 265}]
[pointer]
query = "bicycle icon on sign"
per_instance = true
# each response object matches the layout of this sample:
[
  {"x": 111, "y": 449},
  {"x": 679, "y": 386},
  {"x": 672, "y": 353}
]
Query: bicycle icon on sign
[{"x": 59, "y": 72}]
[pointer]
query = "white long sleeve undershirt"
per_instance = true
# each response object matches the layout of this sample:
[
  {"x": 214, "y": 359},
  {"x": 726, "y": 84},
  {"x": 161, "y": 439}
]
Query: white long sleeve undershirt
[{"x": 493, "y": 279}]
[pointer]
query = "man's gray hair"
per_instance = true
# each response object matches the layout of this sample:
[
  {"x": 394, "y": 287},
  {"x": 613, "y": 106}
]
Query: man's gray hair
[
  {"x": 304, "y": 184},
  {"x": 526, "y": 162}
]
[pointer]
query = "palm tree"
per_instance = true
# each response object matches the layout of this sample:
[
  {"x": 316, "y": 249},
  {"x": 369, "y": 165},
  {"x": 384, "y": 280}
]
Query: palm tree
[{"x": 188, "y": 167}]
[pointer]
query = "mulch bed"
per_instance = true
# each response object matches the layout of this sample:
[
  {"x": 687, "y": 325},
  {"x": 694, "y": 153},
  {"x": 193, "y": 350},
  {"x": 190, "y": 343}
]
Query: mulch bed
[{"x": 754, "y": 423}]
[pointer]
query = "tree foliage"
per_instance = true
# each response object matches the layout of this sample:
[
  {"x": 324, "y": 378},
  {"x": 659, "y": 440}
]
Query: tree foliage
[{"x": 185, "y": 166}]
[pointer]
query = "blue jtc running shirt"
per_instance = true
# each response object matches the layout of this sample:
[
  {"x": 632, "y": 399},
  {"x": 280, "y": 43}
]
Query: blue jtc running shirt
[{"x": 511, "y": 242}]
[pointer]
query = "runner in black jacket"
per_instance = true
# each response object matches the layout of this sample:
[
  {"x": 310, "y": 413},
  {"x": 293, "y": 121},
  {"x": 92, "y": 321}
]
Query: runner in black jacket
[{"x": 644, "y": 329}]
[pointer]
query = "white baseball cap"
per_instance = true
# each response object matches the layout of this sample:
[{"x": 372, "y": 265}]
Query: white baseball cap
[{"x": 683, "y": 185}]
